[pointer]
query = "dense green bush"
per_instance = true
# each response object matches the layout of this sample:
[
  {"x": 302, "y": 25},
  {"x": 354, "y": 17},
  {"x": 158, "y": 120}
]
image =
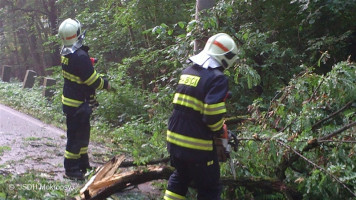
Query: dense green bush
[{"x": 288, "y": 129}]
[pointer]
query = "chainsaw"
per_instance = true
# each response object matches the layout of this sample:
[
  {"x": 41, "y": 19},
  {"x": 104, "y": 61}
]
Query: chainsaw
[{"x": 224, "y": 146}]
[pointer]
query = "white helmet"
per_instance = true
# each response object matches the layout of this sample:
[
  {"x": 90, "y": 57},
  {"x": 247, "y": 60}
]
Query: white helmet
[
  {"x": 71, "y": 35},
  {"x": 222, "y": 48}
]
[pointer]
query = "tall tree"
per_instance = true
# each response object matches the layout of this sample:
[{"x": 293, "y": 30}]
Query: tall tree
[
  {"x": 30, "y": 23},
  {"x": 201, "y": 5}
]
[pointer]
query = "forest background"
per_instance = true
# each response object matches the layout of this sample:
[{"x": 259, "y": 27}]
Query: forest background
[{"x": 293, "y": 89}]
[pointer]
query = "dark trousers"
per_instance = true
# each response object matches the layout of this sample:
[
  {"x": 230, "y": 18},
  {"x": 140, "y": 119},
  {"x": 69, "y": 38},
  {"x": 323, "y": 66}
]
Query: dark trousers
[
  {"x": 204, "y": 176},
  {"x": 78, "y": 134}
]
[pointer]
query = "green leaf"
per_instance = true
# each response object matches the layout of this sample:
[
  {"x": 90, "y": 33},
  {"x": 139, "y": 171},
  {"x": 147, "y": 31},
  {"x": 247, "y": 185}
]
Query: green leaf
[{"x": 181, "y": 24}]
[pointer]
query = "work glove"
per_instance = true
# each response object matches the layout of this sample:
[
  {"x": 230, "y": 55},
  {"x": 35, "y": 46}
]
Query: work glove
[{"x": 93, "y": 103}]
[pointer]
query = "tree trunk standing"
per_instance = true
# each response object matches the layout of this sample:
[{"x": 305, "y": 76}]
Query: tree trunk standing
[
  {"x": 35, "y": 49},
  {"x": 4, "y": 57},
  {"x": 44, "y": 54},
  {"x": 132, "y": 35},
  {"x": 14, "y": 59},
  {"x": 53, "y": 18},
  {"x": 24, "y": 53},
  {"x": 200, "y": 6}
]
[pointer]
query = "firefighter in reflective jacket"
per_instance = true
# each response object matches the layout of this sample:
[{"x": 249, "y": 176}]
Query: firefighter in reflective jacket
[
  {"x": 80, "y": 82},
  {"x": 199, "y": 106}
]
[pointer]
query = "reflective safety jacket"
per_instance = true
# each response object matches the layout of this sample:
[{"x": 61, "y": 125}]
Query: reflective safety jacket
[
  {"x": 80, "y": 79},
  {"x": 199, "y": 105}
]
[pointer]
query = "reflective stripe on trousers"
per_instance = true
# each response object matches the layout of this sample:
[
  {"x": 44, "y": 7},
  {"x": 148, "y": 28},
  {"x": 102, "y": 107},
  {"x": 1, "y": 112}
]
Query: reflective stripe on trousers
[{"x": 172, "y": 196}]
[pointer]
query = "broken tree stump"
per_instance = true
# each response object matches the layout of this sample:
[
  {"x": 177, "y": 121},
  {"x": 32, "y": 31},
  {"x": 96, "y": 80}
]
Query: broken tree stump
[
  {"x": 99, "y": 181},
  {"x": 118, "y": 182},
  {"x": 107, "y": 182}
]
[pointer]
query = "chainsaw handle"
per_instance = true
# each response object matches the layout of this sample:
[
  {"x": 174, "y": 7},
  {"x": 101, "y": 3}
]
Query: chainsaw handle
[{"x": 235, "y": 141}]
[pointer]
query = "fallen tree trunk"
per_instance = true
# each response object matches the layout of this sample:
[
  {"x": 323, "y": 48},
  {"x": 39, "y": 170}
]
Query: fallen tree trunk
[
  {"x": 119, "y": 182},
  {"x": 253, "y": 184},
  {"x": 107, "y": 182}
]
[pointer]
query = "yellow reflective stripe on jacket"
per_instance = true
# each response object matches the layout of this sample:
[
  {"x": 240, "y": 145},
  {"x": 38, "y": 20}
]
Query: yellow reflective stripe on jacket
[
  {"x": 92, "y": 78},
  {"x": 89, "y": 81},
  {"x": 101, "y": 85},
  {"x": 189, "y": 142},
  {"x": 188, "y": 101},
  {"x": 217, "y": 126},
  {"x": 197, "y": 105},
  {"x": 72, "y": 77},
  {"x": 83, "y": 150},
  {"x": 172, "y": 196},
  {"x": 70, "y": 155},
  {"x": 71, "y": 102},
  {"x": 214, "y": 109}
]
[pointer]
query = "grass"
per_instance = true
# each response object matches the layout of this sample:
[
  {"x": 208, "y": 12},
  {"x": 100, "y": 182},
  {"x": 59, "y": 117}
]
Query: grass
[
  {"x": 3, "y": 149},
  {"x": 32, "y": 186},
  {"x": 32, "y": 139}
]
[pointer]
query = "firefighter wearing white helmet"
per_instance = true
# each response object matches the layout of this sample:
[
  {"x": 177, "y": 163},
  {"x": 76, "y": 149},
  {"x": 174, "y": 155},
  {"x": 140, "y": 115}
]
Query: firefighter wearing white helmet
[
  {"x": 220, "y": 50},
  {"x": 197, "y": 118},
  {"x": 70, "y": 33},
  {"x": 80, "y": 82}
]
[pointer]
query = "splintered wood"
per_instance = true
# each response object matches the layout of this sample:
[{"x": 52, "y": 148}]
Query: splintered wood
[
  {"x": 101, "y": 179},
  {"x": 107, "y": 181}
]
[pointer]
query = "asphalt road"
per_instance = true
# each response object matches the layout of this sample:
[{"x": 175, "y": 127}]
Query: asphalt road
[{"x": 28, "y": 145}]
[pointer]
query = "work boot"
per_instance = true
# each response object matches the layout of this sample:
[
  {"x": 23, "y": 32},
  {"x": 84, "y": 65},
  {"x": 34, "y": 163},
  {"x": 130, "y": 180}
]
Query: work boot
[
  {"x": 74, "y": 174},
  {"x": 84, "y": 163}
]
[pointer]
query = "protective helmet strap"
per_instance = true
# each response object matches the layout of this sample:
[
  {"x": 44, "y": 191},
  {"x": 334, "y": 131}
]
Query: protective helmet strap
[{"x": 224, "y": 63}]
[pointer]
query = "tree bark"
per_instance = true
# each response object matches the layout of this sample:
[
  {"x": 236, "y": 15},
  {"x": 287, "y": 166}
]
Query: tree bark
[
  {"x": 199, "y": 7},
  {"x": 53, "y": 18}
]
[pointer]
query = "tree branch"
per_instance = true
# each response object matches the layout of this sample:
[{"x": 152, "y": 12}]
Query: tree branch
[
  {"x": 331, "y": 115},
  {"x": 337, "y": 131},
  {"x": 317, "y": 166},
  {"x": 288, "y": 160}
]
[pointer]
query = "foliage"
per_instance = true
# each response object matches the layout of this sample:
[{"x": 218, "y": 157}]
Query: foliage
[
  {"x": 3, "y": 149},
  {"x": 291, "y": 120},
  {"x": 32, "y": 186},
  {"x": 289, "y": 77}
]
